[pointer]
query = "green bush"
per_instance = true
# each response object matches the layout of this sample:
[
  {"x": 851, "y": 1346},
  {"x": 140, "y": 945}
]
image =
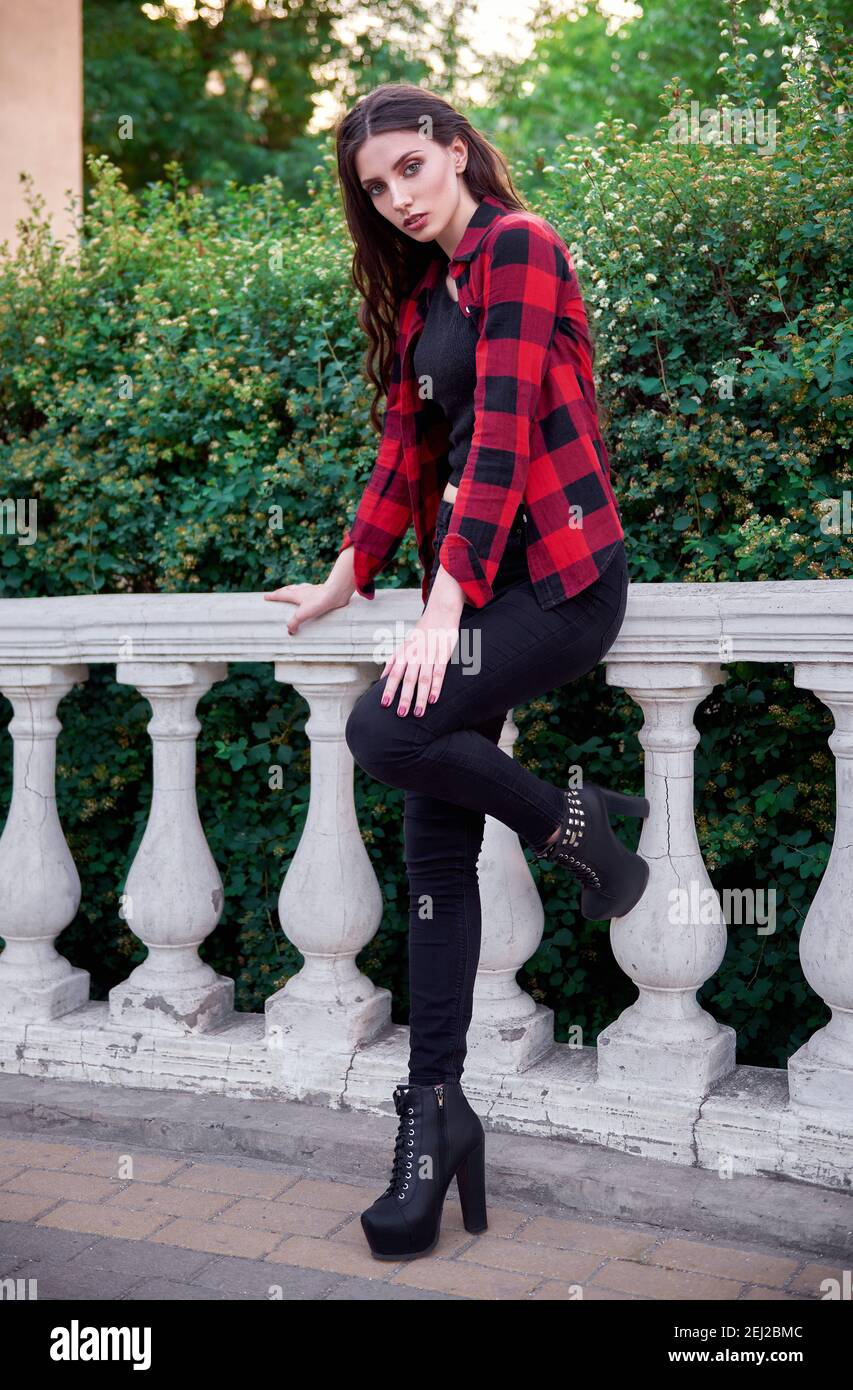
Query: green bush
[
  {"x": 185, "y": 400},
  {"x": 717, "y": 279}
]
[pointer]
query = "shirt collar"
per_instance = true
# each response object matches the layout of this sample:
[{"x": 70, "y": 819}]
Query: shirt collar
[
  {"x": 469, "y": 245},
  {"x": 484, "y": 215}
]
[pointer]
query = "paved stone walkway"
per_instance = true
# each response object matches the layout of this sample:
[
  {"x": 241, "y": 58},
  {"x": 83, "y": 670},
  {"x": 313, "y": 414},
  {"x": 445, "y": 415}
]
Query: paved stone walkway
[{"x": 92, "y": 1220}]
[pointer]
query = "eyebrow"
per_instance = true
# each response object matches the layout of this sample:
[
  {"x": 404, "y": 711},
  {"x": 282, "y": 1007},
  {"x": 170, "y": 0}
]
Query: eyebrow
[{"x": 395, "y": 165}]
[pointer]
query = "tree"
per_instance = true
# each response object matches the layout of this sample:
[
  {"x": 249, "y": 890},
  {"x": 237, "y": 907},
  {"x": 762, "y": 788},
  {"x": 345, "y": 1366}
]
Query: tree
[
  {"x": 229, "y": 93},
  {"x": 583, "y": 70}
]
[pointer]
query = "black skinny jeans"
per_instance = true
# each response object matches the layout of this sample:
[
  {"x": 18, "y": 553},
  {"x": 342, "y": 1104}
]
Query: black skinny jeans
[{"x": 447, "y": 760}]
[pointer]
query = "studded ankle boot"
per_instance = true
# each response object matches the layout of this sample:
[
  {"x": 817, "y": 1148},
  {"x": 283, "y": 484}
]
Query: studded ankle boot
[
  {"x": 439, "y": 1135},
  {"x": 613, "y": 877}
]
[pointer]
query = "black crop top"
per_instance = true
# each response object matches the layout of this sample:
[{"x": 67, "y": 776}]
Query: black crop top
[{"x": 445, "y": 353}]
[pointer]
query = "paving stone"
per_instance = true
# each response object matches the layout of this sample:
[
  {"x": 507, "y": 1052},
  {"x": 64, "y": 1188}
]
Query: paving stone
[
  {"x": 218, "y": 1240},
  {"x": 750, "y": 1266},
  {"x": 334, "y": 1196},
  {"x": 467, "y": 1280},
  {"x": 582, "y": 1235},
  {"x": 571, "y": 1266},
  {"x": 370, "y": 1291},
  {"x": 152, "y": 1261},
  {"x": 11, "y": 1170},
  {"x": 556, "y": 1290},
  {"x": 757, "y": 1295},
  {"x": 261, "y": 1279},
  {"x": 288, "y": 1218},
  {"x": 332, "y": 1256},
  {"x": 39, "y": 1153},
  {"x": 102, "y": 1220},
  {"x": 21, "y": 1241},
  {"x": 241, "y": 1182},
  {"x": 23, "y": 1206},
  {"x": 112, "y": 1161},
  {"x": 162, "y": 1291},
  {"x": 63, "y": 1281},
  {"x": 44, "y": 1182},
  {"x": 654, "y": 1282},
  {"x": 171, "y": 1201}
]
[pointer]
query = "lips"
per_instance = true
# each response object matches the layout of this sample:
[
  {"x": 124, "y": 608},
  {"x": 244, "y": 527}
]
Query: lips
[{"x": 416, "y": 220}]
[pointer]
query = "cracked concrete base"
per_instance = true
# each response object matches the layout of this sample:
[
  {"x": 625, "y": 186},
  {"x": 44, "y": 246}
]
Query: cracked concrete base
[{"x": 743, "y": 1125}]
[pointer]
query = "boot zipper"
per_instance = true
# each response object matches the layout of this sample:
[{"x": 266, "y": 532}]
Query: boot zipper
[{"x": 442, "y": 1129}]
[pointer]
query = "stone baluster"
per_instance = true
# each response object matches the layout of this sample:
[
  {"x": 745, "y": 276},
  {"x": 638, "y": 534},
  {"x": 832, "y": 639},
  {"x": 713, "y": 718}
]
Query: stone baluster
[
  {"x": 173, "y": 896},
  {"x": 39, "y": 884},
  {"x": 330, "y": 905},
  {"x": 820, "y": 1073},
  {"x": 508, "y": 1029},
  {"x": 675, "y": 937}
]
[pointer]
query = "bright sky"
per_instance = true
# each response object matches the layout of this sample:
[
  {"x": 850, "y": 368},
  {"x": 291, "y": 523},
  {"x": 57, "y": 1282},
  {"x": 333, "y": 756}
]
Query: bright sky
[{"x": 500, "y": 26}]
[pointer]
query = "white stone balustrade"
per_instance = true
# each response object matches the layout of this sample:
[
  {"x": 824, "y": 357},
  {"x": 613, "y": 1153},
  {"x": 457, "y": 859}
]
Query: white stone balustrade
[
  {"x": 662, "y": 1079},
  {"x": 330, "y": 904},
  {"x": 173, "y": 897},
  {"x": 39, "y": 884},
  {"x": 665, "y": 1041}
]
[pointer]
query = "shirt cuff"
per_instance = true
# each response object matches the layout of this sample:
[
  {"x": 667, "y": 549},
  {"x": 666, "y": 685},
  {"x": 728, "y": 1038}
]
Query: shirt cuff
[
  {"x": 460, "y": 558},
  {"x": 362, "y": 572}
]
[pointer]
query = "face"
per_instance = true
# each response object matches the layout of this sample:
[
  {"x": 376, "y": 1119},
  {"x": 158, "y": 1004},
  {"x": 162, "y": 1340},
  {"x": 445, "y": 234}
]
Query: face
[{"x": 404, "y": 174}]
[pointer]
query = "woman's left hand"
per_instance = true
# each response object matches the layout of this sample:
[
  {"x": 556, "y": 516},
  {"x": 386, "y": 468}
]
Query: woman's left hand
[{"x": 421, "y": 659}]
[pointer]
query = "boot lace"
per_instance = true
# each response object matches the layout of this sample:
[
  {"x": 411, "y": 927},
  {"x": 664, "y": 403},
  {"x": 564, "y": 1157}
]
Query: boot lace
[{"x": 401, "y": 1168}]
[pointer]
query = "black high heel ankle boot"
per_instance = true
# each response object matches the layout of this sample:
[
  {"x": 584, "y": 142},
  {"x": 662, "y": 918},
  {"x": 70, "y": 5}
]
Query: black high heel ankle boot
[
  {"x": 439, "y": 1135},
  {"x": 613, "y": 877}
]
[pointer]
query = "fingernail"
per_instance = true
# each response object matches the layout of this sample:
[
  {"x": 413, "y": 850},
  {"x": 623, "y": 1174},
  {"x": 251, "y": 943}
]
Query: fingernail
[
  {"x": 386, "y": 699},
  {"x": 419, "y": 709},
  {"x": 402, "y": 709},
  {"x": 433, "y": 698}
]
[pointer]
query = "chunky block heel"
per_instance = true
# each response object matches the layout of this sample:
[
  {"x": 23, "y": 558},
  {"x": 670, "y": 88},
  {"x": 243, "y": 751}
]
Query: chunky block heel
[
  {"x": 471, "y": 1181},
  {"x": 613, "y": 877},
  {"x": 620, "y": 804}
]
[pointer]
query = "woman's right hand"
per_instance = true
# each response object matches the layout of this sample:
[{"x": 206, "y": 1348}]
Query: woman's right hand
[{"x": 313, "y": 600}]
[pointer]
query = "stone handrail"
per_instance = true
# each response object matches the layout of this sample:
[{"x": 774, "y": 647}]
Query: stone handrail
[{"x": 662, "y": 1078}]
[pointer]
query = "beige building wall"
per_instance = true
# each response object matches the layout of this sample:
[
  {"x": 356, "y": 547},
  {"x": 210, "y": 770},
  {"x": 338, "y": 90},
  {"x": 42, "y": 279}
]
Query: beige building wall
[{"x": 41, "y": 109}]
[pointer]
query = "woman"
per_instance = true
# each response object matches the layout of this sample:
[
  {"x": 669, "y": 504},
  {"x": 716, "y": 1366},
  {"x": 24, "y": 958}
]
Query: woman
[{"x": 491, "y": 446}]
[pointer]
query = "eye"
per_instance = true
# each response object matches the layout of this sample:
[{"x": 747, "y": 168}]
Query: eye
[{"x": 412, "y": 164}]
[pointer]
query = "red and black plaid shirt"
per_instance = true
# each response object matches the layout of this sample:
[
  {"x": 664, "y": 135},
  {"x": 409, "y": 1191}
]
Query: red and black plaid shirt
[{"x": 536, "y": 434}]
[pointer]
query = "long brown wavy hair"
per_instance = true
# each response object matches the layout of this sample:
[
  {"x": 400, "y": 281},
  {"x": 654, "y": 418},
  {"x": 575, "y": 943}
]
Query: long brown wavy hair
[{"x": 386, "y": 264}]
